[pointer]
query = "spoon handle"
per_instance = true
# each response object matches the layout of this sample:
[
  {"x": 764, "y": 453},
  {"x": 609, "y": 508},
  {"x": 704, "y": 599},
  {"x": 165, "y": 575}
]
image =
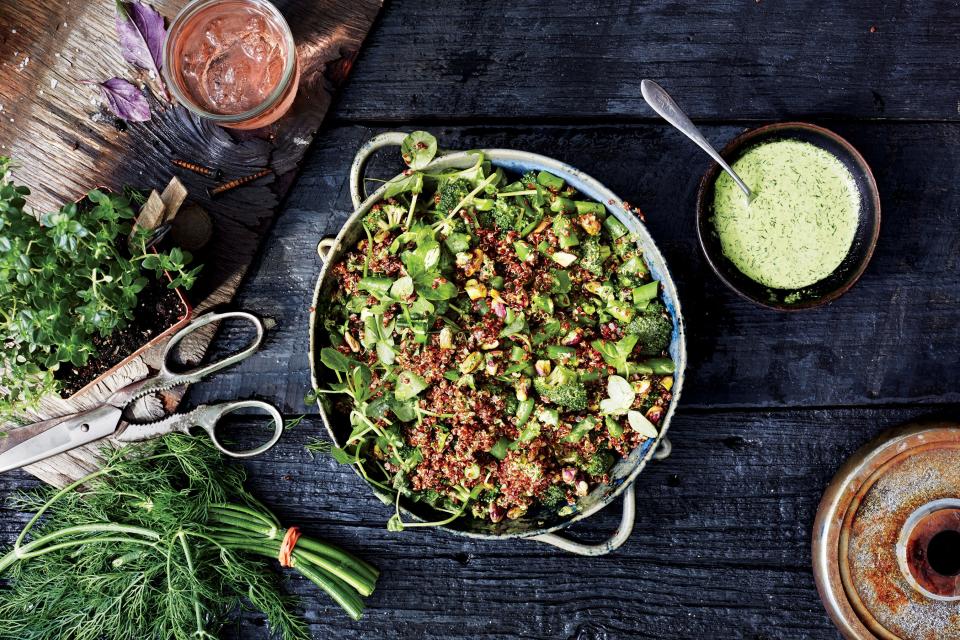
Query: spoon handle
[{"x": 661, "y": 102}]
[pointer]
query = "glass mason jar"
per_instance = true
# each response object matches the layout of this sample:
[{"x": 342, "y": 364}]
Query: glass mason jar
[{"x": 233, "y": 62}]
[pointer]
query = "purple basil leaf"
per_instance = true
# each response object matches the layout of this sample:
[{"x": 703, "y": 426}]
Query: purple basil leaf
[
  {"x": 141, "y": 34},
  {"x": 125, "y": 100}
]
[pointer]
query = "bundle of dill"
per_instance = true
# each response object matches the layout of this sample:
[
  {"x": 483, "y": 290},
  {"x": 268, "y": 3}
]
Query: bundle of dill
[{"x": 162, "y": 542}]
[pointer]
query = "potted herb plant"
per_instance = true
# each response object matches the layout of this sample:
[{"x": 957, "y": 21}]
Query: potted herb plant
[{"x": 81, "y": 292}]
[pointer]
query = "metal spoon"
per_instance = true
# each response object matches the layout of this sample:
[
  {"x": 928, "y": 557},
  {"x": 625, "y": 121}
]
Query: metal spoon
[{"x": 661, "y": 102}]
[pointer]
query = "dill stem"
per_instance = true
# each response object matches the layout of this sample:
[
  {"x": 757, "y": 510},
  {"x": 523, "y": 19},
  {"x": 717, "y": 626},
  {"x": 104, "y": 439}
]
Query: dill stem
[
  {"x": 70, "y": 487},
  {"x": 254, "y": 527},
  {"x": 341, "y": 592},
  {"x": 201, "y": 632},
  {"x": 239, "y": 511},
  {"x": 336, "y": 553},
  {"x": 346, "y": 572},
  {"x": 346, "y": 598},
  {"x": 67, "y": 489},
  {"x": 342, "y": 566},
  {"x": 37, "y": 547}
]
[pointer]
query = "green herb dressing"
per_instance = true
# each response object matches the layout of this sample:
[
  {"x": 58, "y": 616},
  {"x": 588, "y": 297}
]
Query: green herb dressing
[{"x": 801, "y": 222}]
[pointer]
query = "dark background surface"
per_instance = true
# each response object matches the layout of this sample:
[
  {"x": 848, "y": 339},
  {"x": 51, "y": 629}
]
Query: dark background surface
[{"x": 773, "y": 403}]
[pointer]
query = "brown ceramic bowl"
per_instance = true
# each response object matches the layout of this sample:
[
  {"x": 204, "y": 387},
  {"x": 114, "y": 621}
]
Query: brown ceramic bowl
[{"x": 864, "y": 240}]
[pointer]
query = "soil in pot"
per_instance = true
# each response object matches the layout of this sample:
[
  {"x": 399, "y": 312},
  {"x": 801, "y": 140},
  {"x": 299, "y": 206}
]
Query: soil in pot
[{"x": 158, "y": 308}]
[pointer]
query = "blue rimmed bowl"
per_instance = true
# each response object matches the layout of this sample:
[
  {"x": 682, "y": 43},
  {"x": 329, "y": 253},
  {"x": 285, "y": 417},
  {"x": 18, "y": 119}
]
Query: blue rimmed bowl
[{"x": 624, "y": 473}]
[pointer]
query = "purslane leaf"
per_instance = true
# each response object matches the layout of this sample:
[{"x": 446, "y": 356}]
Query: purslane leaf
[
  {"x": 333, "y": 359},
  {"x": 409, "y": 384},
  {"x": 418, "y": 149}
]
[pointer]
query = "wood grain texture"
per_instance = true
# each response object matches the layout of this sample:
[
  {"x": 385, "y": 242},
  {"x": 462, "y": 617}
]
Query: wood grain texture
[
  {"x": 774, "y": 403},
  {"x": 54, "y": 126},
  {"x": 894, "y": 338},
  {"x": 721, "y": 547},
  {"x": 727, "y": 59}
]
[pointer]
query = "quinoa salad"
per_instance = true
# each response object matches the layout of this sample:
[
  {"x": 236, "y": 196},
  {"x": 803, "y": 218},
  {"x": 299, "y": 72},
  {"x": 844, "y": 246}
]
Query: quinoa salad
[{"x": 497, "y": 341}]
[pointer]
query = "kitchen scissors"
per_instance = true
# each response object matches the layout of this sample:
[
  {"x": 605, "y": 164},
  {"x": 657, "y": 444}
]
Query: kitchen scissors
[{"x": 25, "y": 445}]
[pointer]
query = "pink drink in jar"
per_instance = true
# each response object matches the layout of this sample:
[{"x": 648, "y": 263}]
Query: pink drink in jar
[{"x": 232, "y": 61}]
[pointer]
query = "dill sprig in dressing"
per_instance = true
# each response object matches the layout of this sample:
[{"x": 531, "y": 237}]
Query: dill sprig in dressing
[{"x": 801, "y": 223}]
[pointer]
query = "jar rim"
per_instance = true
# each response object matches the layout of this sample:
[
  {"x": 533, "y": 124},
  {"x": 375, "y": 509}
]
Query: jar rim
[{"x": 290, "y": 64}]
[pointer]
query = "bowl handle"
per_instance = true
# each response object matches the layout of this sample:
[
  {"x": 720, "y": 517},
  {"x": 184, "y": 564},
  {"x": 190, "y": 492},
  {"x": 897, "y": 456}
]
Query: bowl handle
[
  {"x": 623, "y": 531},
  {"x": 389, "y": 139},
  {"x": 325, "y": 246},
  {"x": 371, "y": 146}
]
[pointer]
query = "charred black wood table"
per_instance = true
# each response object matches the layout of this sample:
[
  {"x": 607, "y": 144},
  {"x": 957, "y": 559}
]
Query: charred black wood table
[{"x": 773, "y": 402}]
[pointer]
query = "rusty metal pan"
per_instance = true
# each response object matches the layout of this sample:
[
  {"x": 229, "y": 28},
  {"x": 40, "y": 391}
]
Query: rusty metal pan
[{"x": 886, "y": 540}]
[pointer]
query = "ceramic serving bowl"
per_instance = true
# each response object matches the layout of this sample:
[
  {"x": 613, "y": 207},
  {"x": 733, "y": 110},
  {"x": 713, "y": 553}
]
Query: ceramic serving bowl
[
  {"x": 864, "y": 241},
  {"x": 541, "y": 527}
]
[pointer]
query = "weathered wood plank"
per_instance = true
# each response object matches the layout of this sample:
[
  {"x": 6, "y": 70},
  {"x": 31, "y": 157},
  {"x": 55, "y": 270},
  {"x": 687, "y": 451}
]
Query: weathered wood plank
[
  {"x": 894, "y": 338},
  {"x": 53, "y": 126},
  {"x": 722, "y": 541},
  {"x": 522, "y": 59}
]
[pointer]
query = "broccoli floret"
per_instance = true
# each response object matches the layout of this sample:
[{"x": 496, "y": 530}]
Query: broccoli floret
[
  {"x": 374, "y": 218},
  {"x": 510, "y": 402},
  {"x": 385, "y": 216},
  {"x": 562, "y": 388},
  {"x": 429, "y": 496},
  {"x": 653, "y": 328},
  {"x": 624, "y": 247},
  {"x": 506, "y": 216},
  {"x": 554, "y": 497},
  {"x": 571, "y": 396},
  {"x": 600, "y": 463},
  {"x": 593, "y": 255},
  {"x": 451, "y": 194},
  {"x": 529, "y": 180}
]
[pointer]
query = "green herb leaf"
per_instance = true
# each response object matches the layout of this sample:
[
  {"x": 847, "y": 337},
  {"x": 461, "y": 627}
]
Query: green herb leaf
[
  {"x": 616, "y": 354},
  {"x": 412, "y": 183},
  {"x": 335, "y": 360},
  {"x": 560, "y": 281},
  {"x": 500, "y": 448},
  {"x": 409, "y": 385},
  {"x": 418, "y": 149},
  {"x": 405, "y": 411},
  {"x": 402, "y": 288}
]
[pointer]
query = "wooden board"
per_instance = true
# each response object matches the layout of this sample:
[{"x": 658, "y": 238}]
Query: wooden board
[
  {"x": 525, "y": 60},
  {"x": 64, "y": 143}
]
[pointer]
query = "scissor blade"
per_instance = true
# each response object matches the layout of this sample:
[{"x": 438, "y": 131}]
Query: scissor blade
[{"x": 25, "y": 445}]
